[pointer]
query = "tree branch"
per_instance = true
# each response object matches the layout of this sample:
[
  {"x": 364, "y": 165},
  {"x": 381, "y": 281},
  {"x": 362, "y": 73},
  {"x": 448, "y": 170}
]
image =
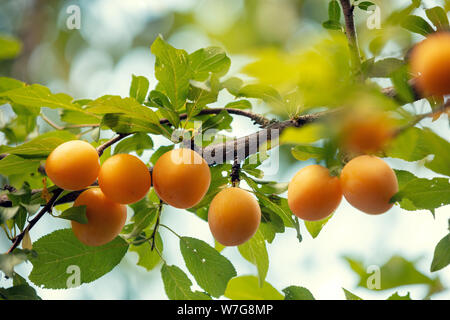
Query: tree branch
[{"x": 350, "y": 31}]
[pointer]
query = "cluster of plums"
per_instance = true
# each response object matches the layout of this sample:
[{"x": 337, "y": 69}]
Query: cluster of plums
[{"x": 180, "y": 177}]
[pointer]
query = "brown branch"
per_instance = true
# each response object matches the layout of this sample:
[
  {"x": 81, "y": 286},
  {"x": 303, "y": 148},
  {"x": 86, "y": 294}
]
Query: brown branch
[
  {"x": 350, "y": 32},
  {"x": 18, "y": 239}
]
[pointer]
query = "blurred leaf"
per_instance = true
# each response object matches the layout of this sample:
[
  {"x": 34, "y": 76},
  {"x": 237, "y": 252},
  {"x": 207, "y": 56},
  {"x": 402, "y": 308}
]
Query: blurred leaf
[
  {"x": 59, "y": 250},
  {"x": 400, "y": 79},
  {"x": 7, "y": 213},
  {"x": 304, "y": 135},
  {"x": 248, "y": 288},
  {"x": 384, "y": 68},
  {"x": 233, "y": 85},
  {"x": 297, "y": 293},
  {"x": 172, "y": 71},
  {"x": 396, "y": 296},
  {"x": 19, "y": 292},
  {"x": 208, "y": 60},
  {"x": 255, "y": 252},
  {"x": 417, "y": 24},
  {"x": 438, "y": 17},
  {"x": 9, "y": 260},
  {"x": 395, "y": 273},
  {"x": 314, "y": 227},
  {"x": 211, "y": 270},
  {"x": 9, "y": 84},
  {"x": 10, "y": 47},
  {"x": 263, "y": 92},
  {"x": 149, "y": 258},
  {"x": 137, "y": 142},
  {"x": 139, "y": 88},
  {"x": 77, "y": 214},
  {"x": 178, "y": 286},
  {"x": 239, "y": 104},
  {"x": 350, "y": 296},
  {"x": 306, "y": 152},
  {"x": 441, "y": 257}
]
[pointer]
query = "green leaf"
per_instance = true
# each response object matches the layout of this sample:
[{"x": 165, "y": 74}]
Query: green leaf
[
  {"x": 350, "y": 296},
  {"x": 271, "y": 224},
  {"x": 334, "y": 11},
  {"x": 255, "y": 252},
  {"x": 395, "y": 273},
  {"x": 233, "y": 85},
  {"x": 396, "y": 296},
  {"x": 137, "y": 142},
  {"x": 148, "y": 258},
  {"x": 365, "y": 5},
  {"x": 239, "y": 104},
  {"x": 125, "y": 124},
  {"x": 159, "y": 152},
  {"x": 247, "y": 288},
  {"x": 420, "y": 193},
  {"x": 304, "y": 135},
  {"x": 79, "y": 117},
  {"x": 9, "y": 84},
  {"x": 314, "y": 227},
  {"x": 19, "y": 292},
  {"x": 40, "y": 147},
  {"x": 172, "y": 71},
  {"x": 332, "y": 25},
  {"x": 178, "y": 286},
  {"x": 208, "y": 60},
  {"x": 59, "y": 250},
  {"x": 10, "y": 47},
  {"x": 125, "y": 106},
  {"x": 77, "y": 214},
  {"x": 139, "y": 88},
  {"x": 7, "y": 213},
  {"x": 39, "y": 96},
  {"x": 306, "y": 152},
  {"x": 220, "y": 121},
  {"x": 417, "y": 24},
  {"x": 263, "y": 92},
  {"x": 211, "y": 270},
  {"x": 438, "y": 17},
  {"x": 441, "y": 257},
  {"x": 400, "y": 79},
  {"x": 297, "y": 293},
  {"x": 199, "y": 99},
  {"x": 384, "y": 68}
]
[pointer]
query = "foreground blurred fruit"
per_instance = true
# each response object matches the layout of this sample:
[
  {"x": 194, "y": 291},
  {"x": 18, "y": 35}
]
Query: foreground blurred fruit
[
  {"x": 313, "y": 194},
  {"x": 105, "y": 218},
  {"x": 124, "y": 178},
  {"x": 181, "y": 178},
  {"x": 366, "y": 131},
  {"x": 234, "y": 216},
  {"x": 73, "y": 165},
  {"x": 368, "y": 184},
  {"x": 430, "y": 61}
]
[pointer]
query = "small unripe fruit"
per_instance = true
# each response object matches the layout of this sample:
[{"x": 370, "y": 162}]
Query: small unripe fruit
[
  {"x": 73, "y": 165},
  {"x": 105, "y": 218},
  {"x": 368, "y": 184},
  {"x": 124, "y": 178},
  {"x": 430, "y": 61},
  {"x": 234, "y": 216},
  {"x": 313, "y": 194},
  {"x": 181, "y": 178}
]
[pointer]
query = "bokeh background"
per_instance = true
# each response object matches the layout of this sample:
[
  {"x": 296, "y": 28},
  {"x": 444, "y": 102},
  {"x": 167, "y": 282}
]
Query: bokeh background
[{"x": 114, "y": 42}]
